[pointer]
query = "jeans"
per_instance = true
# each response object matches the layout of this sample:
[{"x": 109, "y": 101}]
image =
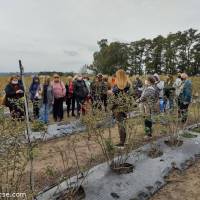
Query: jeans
[{"x": 44, "y": 113}]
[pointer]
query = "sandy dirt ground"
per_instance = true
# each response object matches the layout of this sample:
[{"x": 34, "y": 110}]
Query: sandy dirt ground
[{"x": 182, "y": 186}]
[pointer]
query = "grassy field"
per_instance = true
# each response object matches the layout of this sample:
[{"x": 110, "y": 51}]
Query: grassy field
[{"x": 47, "y": 159}]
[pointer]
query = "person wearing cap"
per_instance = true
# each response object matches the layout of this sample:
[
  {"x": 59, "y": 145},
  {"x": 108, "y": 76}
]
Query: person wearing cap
[
  {"x": 59, "y": 93},
  {"x": 99, "y": 89},
  {"x": 81, "y": 92},
  {"x": 185, "y": 97},
  {"x": 149, "y": 98}
]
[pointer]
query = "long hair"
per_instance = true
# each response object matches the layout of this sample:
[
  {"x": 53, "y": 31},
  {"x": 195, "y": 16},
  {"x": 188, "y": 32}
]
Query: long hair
[
  {"x": 12, "y": 78},
  {"x": 47, "y": 80},
  {"x": 121, "y": 79}
]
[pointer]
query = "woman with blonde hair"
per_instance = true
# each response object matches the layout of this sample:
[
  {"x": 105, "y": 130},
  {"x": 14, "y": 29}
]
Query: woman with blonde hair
[
  {"x": 47, "y": 100},
  {"x": 122, "y": 87}
]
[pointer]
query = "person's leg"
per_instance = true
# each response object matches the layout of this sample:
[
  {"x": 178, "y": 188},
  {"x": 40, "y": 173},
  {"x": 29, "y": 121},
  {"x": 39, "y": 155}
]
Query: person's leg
[
  {"x": 148, "y": 126},
  {"x": 55, "y": 109},
  {"x": 60, "y": 109},
  {"x": 78, "y": 106},
  {"x": 73, "y": 101},
  {"x": 41, "y": 113},
  {"x": 46, "y": 118},
  {"x": 68, "y": 102},
  {"x": 184, "y": 112},
  {"x": 122, "y": 128}
]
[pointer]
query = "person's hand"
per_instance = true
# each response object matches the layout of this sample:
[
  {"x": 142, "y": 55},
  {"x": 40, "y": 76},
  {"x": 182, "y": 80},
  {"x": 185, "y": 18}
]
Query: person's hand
[
  {"x": 19, "y": 91},
  {"x": 109, "y": 92}
]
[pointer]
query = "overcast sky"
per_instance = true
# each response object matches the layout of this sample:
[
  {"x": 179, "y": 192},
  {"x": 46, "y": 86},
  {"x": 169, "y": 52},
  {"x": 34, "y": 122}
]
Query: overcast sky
[{"x": 62, "y": 34}]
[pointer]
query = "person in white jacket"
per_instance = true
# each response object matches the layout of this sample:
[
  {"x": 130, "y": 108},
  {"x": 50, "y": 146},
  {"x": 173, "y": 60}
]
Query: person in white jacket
[{"x": 178, "y": 85}]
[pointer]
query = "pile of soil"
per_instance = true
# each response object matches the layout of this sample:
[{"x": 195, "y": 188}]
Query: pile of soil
[{"x": 184, "y": 185}]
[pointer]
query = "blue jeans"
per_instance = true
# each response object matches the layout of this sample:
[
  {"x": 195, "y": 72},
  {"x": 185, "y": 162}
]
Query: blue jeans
[{"x": 44, "y": 113}]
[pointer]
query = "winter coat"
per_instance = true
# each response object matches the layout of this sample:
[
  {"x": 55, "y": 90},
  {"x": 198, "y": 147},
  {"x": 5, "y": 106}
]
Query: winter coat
[
  {"x": 10, "y": 91},
  {"x": 160, "y": 85},
  {"x": 186, "y": 93},
  {"x": 178, "y": 85},
  {"x": 80, "y": 89},
  {"x": 47, "y": 95}
]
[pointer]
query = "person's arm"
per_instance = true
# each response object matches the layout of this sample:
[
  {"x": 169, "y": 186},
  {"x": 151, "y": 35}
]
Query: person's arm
[
  {"x": 187, "y": 93},
  {"x": 9, "y": 91}
]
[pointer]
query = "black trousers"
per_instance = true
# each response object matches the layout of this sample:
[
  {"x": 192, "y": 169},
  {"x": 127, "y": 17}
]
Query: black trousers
[
  {"x": 58, "y": 109},
  {"x": 183, "y": 112},
  {"x": 70, "y": 102},
  {"x": 80, "y": 101},
  {"x": 148, "y": 126}
]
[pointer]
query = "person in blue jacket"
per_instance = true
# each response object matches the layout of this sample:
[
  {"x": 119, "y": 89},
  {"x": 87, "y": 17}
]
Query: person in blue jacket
[{"x": 185, "y": 97}]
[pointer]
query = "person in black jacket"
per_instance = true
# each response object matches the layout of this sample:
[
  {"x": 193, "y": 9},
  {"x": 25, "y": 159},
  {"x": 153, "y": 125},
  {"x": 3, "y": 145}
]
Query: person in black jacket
[
  {"x": 80, "y": 92},
  {"x": 14, "y": 98}
]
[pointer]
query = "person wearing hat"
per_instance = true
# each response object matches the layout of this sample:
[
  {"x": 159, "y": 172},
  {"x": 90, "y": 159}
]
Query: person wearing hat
[
  {"x": 185, "y": 97},
  {"x": 81, "y": 92},
  {"x": 99, "y": 90}
]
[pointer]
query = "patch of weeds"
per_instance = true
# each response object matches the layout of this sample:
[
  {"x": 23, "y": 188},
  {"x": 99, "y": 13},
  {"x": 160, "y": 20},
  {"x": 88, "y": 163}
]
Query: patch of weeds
[
  {"x": 197, "y": 129},
  {"x": 188, "y": 135},
  {"x": 38, "y": 126}
]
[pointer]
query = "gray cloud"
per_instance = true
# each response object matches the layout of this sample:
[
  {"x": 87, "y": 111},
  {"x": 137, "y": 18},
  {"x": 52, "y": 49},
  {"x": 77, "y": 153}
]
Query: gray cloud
[{"x": 64, "y": 33}]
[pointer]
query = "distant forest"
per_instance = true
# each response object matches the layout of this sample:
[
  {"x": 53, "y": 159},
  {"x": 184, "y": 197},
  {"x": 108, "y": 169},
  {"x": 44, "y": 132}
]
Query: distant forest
[{"x": 177, "y": 52}]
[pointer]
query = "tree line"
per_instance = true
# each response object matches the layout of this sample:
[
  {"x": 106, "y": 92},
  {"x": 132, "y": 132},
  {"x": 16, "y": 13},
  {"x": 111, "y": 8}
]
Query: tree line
[{"x": 177, "y": 52}]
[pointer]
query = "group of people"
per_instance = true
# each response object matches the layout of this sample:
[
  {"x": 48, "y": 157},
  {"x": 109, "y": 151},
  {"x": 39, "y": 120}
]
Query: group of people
[{"x": 153, "y": 96}]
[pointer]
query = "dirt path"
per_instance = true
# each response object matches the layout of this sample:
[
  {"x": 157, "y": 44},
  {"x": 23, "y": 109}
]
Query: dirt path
[{"x": 182, "y": 186}]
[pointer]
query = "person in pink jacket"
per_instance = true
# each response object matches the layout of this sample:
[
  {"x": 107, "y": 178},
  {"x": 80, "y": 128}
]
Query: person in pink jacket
[{"x": 59, "y": 92}]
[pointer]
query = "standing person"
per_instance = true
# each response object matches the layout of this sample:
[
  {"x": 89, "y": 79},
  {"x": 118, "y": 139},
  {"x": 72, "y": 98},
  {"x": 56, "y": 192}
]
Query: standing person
[
  {"x": 150, "y": 98},
  {"x": 121, "y": 87},
  {"x": 81, "y": 93},
  {"x": 35, "y": 96},
  {"x": 102, "y": 89},
  {"x": 93, "y": 91},
  {"x": 47, "y": 100},
  {"x": 14, "y": 98},
  {"x": 59, "y": 92},
  {"x": 159, "y": 85},
  {"x": 70, "y": 97},
  {"x": 178, "y": 85},
  {"x": 137, "y": 86},
  {"x": 169, "y": 93},
  {"x": 185, "y": 98}
]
